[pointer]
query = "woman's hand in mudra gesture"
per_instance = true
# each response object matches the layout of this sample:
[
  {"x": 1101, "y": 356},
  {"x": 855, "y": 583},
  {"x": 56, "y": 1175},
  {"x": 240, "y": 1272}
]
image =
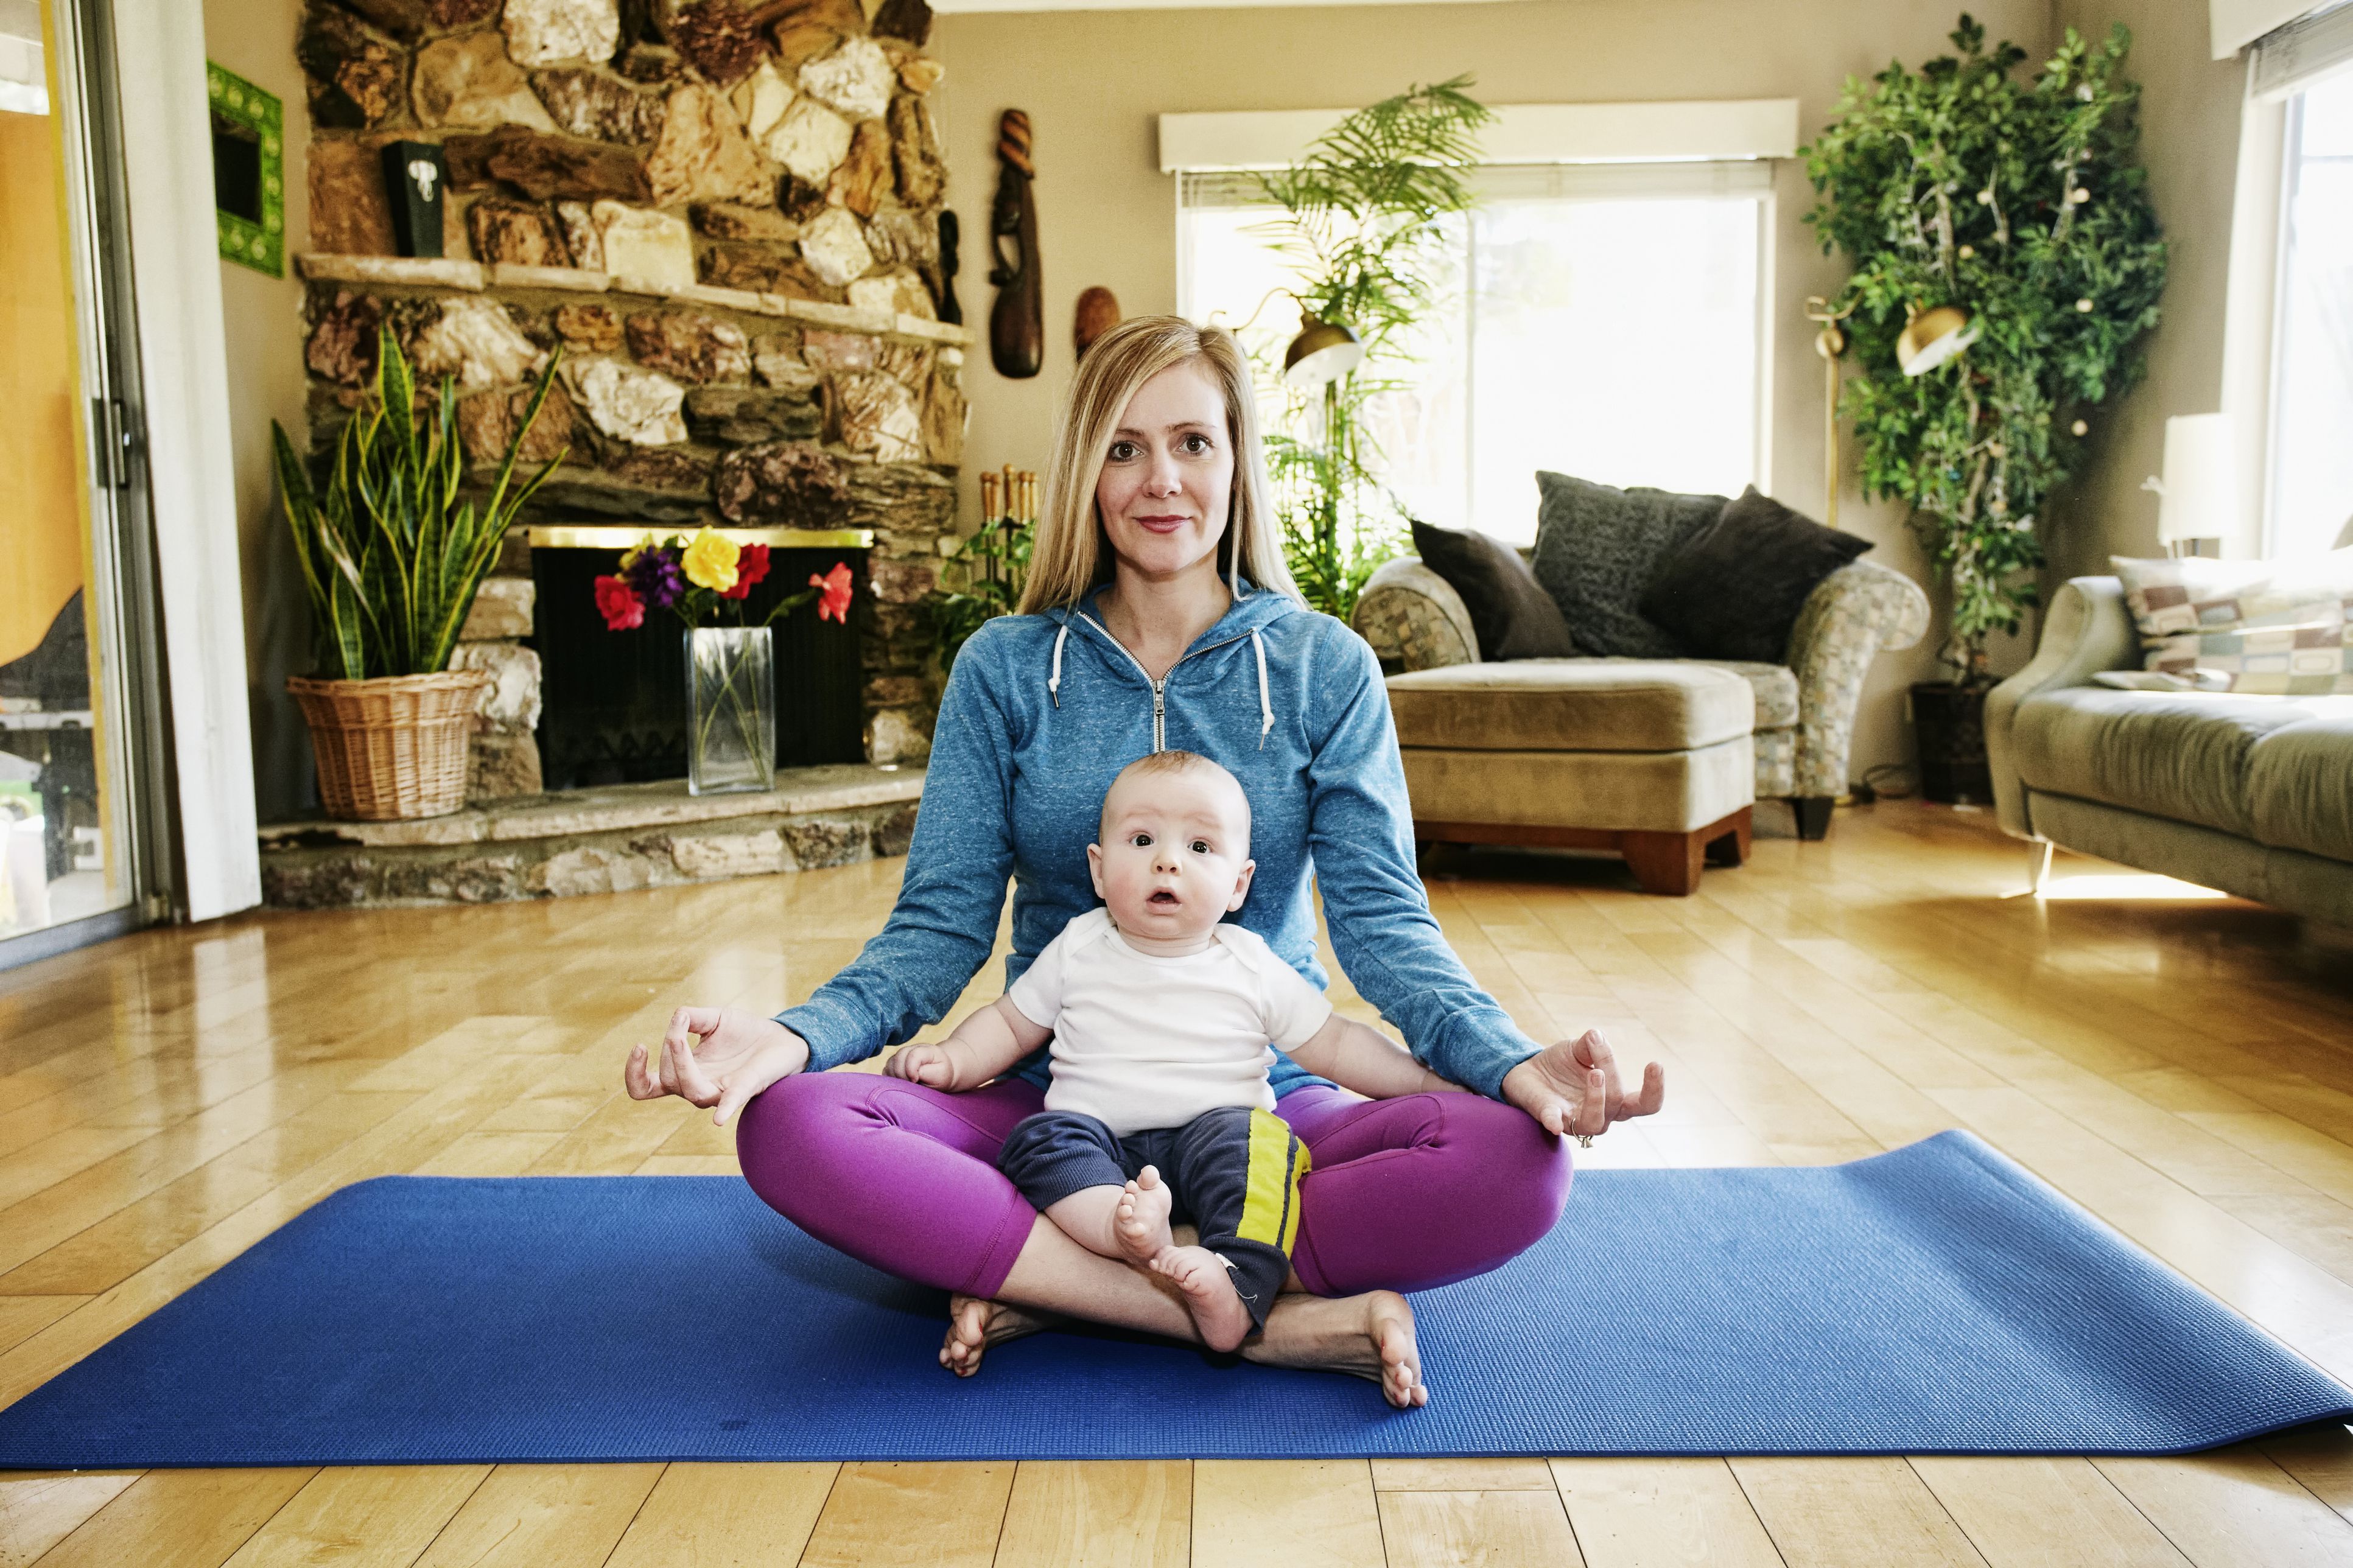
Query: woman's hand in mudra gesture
[
  {"x": 715, "y": 1056},
  {"x": 1572, "y": 1086}
]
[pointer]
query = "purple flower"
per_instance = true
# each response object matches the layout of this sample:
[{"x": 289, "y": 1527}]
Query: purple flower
[{"x": 655, "y": 574}]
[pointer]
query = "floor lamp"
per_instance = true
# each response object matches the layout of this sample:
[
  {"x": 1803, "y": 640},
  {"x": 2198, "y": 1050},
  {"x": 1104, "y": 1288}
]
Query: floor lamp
[{"x": 1829, "y": 343}]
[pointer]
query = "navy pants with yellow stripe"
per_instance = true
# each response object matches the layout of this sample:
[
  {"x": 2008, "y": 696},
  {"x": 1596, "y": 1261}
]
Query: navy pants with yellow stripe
[{"x": 1234, "y": 1172}]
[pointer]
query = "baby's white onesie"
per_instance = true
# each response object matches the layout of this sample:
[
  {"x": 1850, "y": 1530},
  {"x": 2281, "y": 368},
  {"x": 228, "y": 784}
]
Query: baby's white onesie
[{"x": 1143, "y": 1042}]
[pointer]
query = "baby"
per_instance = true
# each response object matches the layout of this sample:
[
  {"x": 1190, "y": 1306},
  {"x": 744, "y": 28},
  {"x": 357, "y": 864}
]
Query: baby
[{"x": 1163, "y": 1017}]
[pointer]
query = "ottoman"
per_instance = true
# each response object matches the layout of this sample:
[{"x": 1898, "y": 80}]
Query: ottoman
[{"x": 1652, "y": 761}]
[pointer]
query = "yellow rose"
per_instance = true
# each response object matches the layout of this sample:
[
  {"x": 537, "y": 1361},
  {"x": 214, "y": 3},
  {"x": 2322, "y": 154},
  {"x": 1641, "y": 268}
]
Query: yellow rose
[{"x": 710, "y": 561}]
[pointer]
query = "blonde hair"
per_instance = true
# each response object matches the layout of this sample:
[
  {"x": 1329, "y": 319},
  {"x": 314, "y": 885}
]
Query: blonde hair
[{"x": 1071, "y": 555}]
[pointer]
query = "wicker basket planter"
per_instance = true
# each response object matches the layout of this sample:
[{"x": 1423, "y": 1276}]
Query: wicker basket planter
[{"x": 394, "y": 747}]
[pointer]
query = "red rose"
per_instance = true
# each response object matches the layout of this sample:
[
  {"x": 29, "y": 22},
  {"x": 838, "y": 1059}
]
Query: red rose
[
  {"x": 619, "y": 605},
  {"x": 834, "y": 598},
  {"x": 751, "y": 565}
]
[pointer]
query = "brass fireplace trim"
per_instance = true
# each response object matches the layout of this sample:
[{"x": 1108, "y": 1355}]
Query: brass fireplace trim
[{"x": 604, "y": 536}]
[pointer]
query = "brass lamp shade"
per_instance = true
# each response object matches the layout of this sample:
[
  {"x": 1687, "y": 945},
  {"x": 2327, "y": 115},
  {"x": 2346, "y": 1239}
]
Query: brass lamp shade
[
  {"x": 1932, "y": 337},
  {"x": 1324, "y": 351}
]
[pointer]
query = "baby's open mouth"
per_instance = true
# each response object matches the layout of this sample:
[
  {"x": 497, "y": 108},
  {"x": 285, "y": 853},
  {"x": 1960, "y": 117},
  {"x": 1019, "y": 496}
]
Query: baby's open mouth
[{"x": 1164, "y": 899}]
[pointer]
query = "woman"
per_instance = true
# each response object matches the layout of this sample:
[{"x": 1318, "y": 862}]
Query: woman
[{"x": 1159, "y": 613}]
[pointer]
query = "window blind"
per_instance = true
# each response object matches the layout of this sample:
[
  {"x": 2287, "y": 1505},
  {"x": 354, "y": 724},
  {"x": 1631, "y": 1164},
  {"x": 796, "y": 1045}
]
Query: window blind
[
  {"x": 2285, "y": 61},
  {"x": 1527, "y": 182}
]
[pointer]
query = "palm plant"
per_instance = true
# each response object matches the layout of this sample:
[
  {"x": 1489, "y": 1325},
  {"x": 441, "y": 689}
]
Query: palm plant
[
  {"x": 392, "y": 550},
  {"x": 1368, "y": 229}
]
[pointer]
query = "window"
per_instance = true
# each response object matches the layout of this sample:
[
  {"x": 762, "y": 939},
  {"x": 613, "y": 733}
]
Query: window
[
  {"x": 1606, "y": 321},
  {"x": 2310, "y": 486}
]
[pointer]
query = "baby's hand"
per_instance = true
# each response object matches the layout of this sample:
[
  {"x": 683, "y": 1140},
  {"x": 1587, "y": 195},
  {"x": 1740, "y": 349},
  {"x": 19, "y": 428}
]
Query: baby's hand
[{"x": 927, "y": 1065}]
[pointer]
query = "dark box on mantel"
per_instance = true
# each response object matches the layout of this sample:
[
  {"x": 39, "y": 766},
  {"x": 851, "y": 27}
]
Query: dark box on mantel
[
  {"x": 414, "y": 177},
  {"x": 614, "y": 704}
]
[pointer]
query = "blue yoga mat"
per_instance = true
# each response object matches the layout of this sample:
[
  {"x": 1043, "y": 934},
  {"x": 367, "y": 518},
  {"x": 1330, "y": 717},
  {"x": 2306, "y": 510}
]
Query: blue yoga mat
[{"x": 1934, "y": 1299}]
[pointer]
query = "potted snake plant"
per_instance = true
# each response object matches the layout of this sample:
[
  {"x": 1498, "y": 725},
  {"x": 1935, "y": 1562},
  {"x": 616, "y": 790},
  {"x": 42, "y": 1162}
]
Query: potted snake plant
[{"x": 391, "y": 553}]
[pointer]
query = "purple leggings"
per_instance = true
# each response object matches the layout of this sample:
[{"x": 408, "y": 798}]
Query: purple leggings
[{"x": 1405, "y": 1193}]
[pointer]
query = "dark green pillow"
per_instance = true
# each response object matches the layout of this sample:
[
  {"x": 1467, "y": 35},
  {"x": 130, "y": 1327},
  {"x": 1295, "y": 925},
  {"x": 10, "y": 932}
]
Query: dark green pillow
[
  {"x": 1514, "y": 617},
  {"x": 1733, "y": 589},
  {"x": 1597, "y": 548}
]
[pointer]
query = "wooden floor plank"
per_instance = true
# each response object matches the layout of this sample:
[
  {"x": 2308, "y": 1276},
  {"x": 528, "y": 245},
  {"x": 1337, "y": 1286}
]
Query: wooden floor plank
[
  {"x": 1852, "y": 1513},
  {"x": 178, "y": 1518},
  {"x": 1101, "y": 1513},
  {"x": 726, "y": 1515},
  {"x": 1477, "y": 1530},
  {"x": 1285, "y": 1513},
  {"x": 2233, "y": 1508},
  {"x": 374, "y": 1516},
  {"x": 543, "y": 1516},
  {"x": 911, "y": 1516},
  {"x": 1662, "y": 1513},
  {"x": 21, "y": 1317},
  {"x": 1461, "y": 1475},
  {"x": 2045, "y": 1511},
  {"x": 2320, "y": 1457},
  {"x": 39, "y": 1509}
]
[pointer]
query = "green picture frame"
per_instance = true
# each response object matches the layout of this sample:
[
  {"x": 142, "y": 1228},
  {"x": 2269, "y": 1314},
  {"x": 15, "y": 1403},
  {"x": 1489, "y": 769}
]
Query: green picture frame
[{"x": 248, "y": 171}]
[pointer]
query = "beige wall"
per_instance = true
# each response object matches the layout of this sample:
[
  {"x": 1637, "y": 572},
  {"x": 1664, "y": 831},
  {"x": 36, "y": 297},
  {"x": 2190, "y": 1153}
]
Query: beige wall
[
  {"x": 255, "y": 38},
  {"x": 1093, "y": 83},
  {"x": 2190, "y": 141}
]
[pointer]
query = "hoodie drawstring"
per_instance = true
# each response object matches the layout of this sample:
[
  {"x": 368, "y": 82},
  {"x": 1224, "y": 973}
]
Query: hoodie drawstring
[
  {"x": 1265, "y": 706},
  {"x": 1258, "y": 648}
]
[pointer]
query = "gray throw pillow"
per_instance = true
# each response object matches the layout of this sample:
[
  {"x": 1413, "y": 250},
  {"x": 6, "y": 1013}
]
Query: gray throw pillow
[
  {"x": 1513, "y": 616},
  {"x": 1597, "y": 550}
]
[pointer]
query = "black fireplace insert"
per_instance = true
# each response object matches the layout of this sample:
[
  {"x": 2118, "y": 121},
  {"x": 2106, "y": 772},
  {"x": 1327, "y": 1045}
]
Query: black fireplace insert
[{"x": 613, "y": 704}]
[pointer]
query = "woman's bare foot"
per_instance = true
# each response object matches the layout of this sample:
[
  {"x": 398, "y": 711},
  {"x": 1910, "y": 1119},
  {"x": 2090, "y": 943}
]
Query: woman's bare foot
[
  {"x": 1208, "y": 1284},
  {"x": 1140, "y": 1222},
  {"x": 1369, "y": 1336},
  {"x": 975, "y": 1323}
]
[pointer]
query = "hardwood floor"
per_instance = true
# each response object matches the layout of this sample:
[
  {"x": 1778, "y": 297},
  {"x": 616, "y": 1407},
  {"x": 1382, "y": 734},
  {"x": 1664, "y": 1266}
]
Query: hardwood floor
[{"x": 2179, "y": 1065}]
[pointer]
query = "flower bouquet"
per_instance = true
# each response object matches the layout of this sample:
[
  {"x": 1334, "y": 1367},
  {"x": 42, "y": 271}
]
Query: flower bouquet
[{"x": 730, "y": 662}]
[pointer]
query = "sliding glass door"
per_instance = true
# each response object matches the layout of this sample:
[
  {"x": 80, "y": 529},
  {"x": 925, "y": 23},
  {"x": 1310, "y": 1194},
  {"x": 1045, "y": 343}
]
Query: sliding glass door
[{"x": 78, "y": 840}]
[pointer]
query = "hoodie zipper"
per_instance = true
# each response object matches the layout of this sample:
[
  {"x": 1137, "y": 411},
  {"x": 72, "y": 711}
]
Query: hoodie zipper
[{"x": 1159, "y": 687}]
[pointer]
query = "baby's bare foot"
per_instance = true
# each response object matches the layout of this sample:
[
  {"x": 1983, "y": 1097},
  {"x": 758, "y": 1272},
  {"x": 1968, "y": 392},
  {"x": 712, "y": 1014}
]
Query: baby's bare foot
[
  {"x": 1140, "y": 1223},
  {"x": 1210, "y": 1295}
]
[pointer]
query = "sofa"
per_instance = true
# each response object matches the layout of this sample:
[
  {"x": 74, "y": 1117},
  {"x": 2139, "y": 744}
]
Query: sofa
[
  {"x": 2251, "y": 795},
  {"x": 1805, "y": 706}
]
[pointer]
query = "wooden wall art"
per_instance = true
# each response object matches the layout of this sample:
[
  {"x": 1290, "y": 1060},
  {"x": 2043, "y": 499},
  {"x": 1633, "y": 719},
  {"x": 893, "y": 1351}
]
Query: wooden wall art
[
  {"x": 1098, "y": 313},
  {"x": 1017, "y": 323},
  {"x": 950, "y": 244}
]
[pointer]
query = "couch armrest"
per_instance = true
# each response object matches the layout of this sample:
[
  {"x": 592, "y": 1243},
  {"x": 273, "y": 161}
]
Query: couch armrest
[
  {"x": 2086, "y": 630},
  {"x": 1852, "y": 614},
  {"x": 1414, "y": 619}
]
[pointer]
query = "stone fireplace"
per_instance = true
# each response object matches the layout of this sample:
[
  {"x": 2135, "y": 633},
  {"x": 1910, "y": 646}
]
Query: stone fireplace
[{"x": 725, "y": 218}]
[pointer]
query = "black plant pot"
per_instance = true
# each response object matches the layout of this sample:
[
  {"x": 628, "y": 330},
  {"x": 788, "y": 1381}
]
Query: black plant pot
[{"x": 1950, "y": 720}]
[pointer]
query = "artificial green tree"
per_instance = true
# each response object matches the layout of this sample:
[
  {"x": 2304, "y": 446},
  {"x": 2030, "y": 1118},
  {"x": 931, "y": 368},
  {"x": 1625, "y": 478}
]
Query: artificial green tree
[
  {"x": 1366, "y": 230},
  {"x": 2022, "y": 201}
]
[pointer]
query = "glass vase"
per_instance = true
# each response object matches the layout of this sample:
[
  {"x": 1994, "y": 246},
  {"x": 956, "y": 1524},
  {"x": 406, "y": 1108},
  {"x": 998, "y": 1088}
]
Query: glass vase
[{"x": 730, "y": 691}]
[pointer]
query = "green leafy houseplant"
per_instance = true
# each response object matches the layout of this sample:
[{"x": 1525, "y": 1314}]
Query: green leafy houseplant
[
  {"x": 1368, "y": 229},
  {"x": 995, "y": 561},
  {"x": 393, "y": 549},
  {"x": 2023, "y": 204}
]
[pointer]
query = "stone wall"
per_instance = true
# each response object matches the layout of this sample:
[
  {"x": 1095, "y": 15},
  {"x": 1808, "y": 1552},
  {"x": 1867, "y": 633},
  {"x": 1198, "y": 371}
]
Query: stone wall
[{"x": 726, "y": 218}]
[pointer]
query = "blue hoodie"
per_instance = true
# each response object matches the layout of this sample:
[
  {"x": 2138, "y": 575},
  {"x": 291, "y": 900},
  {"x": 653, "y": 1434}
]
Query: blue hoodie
[{"x": 1041, "y": 714}]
